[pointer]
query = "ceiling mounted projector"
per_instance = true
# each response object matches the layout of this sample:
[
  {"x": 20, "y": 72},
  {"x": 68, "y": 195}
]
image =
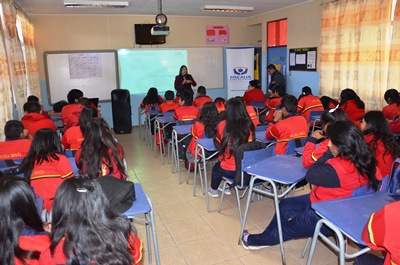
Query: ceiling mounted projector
[
  {"x": 161, "y": 28},
  {"x": 96, "y": 4}
]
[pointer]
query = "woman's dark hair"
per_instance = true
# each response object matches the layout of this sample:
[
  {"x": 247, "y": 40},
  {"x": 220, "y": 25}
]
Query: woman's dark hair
[
  {"x": 378, "y": 125},
  {"x": 180, "y": 70},
  {"x": 86, "y": 115},
  {"x": 93, "y": 233},
  {"x": 238, "y": 128},
  {"x": 152, "y": 97},
  {"x": 327, "y": 101},
  {"x": 331, "y": 116},
  {"x": 347, "y": 137},
  {"x": 305, "y": 91},
  {"x": 45, "y": 145},
  {"x": 17, "y": 205},
  {"x": 393, "y": 96},
  {"x": 99, "y": 147},
  {"x": 209, "y": 117},
  {"x": 349, "y": 94}
]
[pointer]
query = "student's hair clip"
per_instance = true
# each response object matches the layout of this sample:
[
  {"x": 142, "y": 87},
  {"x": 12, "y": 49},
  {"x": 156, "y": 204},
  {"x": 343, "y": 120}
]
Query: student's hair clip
[
  {"x": 82, "y": 190},
  {"x": 332, "y": 110}
]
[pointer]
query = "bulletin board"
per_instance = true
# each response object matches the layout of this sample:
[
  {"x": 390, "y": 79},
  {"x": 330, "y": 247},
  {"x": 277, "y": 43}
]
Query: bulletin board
[
  {"x": 303, "y": 59},
  {"x": 94, "y": 72}
]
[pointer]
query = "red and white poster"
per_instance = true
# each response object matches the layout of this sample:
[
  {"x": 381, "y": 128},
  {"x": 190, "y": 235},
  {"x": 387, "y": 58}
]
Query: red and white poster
[{"x": 217, "y": 35}]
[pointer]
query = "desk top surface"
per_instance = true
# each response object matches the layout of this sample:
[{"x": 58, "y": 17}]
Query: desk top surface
[
  {"x": 351, "y": 214},
  {"x": 207, "y": 143},
  {"x": 260, "y": 137},
  {"x": 165, "y": 119},
  {"x": 182, "y": 129},
  {"x": 286, "y": 169},
  {"x": 258, "y": 104}
]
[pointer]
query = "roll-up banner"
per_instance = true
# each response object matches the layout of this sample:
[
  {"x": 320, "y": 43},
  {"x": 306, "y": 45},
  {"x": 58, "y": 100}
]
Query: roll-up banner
[{"x": 240, "y": 70}]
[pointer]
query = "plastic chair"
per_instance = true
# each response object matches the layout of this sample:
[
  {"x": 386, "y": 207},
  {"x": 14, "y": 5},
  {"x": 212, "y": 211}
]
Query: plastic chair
[
  {"x": 394, "y": 177},
  {"x": 249, "y": 158},
  {"x": 314, "y": 117},
  {"x": 9, "y": 163},
  {"x": 293, "y": 144},
  {"x": 151, "y": 115},
  {"x": 143, "y": 205}
]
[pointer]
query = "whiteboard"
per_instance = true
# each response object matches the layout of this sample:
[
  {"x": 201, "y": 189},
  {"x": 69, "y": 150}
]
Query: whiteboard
[{"x": 93, "y": 72}]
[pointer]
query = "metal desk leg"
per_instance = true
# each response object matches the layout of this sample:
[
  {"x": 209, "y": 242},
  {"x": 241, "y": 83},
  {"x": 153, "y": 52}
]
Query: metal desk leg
[
  {"x": 203, "y": 158},
  {"x": 195, "y": 169}
]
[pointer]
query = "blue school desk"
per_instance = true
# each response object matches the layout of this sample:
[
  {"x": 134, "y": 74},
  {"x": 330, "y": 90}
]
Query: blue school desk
[
  {"x": 346, "y": 217},
  {"x": 160, "y": 123},
  {"x": 184, "y": 132},
  {"x": 281, "y": 169}
]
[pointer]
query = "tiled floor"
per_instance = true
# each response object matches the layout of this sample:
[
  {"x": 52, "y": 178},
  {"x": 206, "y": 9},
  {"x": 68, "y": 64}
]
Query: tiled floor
[{"x": 187, "y": 233}]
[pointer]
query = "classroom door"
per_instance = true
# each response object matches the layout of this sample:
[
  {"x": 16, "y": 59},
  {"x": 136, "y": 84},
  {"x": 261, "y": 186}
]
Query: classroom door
[{"x": 278, "y": 57}]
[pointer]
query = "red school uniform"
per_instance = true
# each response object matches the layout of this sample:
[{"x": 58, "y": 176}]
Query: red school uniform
[
  {"x": 385, "y": 161},
  {"x": 254, "y": 95},
  {"x": 72, "y": 138},
  {"x": 291, "y": 127},
  {"x": 67, "y": 111},
  {"x": 220, "y": 106},
  {"x": 34, "y": 121},
  {"x": 382, "y": 232},
  {"x": 47, "y": 176},
  {"x": 312, "y": 152},
  {"x": 307, "y": 104},
  {"x": 353, "y": 112},
  {"x": 186, "y": 113},
  {"x": 391, "y": 111},
  {"x": 39, "y": 243},
  {"x": 197, "y": 131},
  {"x": 271, "y": 104},
  {"x": 394, "y": 126},
  {"x": 253, "y": 115},
  {"x": 349, "y": 179},
  {"x": 135, "y": 244},
  {"x": 144, "y": 104},
  {"x": 14, "y": 149},
  {"x": 199, "y": 101},
  {"x": 168, "y": 106}
]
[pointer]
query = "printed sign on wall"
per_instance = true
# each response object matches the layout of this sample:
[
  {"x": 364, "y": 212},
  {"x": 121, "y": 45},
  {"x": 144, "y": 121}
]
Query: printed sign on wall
[{"x": 217, "y": 35}]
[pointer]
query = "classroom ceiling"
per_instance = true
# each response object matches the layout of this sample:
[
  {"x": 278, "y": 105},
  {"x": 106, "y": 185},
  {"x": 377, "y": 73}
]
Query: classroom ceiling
[{"x": 150, "y": 7}]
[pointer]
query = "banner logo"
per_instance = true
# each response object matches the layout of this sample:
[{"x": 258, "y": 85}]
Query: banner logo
[{"x": 240, "y": 73}]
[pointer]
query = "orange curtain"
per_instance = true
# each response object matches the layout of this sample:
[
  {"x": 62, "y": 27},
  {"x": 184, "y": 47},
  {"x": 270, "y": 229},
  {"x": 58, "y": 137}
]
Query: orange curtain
[
  {"x": 355, "y": 49},
  {"x": 394, "y": 66}
]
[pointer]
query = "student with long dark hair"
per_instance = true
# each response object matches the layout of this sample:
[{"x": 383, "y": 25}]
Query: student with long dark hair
[
  {"x": 235, "y": 130},
  {"x": 86, "y": 231},
  {"x": 100, "y": 154},
  {"x": 45, "y": 166},
  {"x": 328, "y": 102},
  {"x": 392, "y": 98},
  {"x": 312, "y": 151},
  {"x": 151, "y": 99},
  {"x": 347, "y": 165},
  {"x": 22, "y": 236},
  {"x": 351, "y": 103},
  {"x": 379, "y": 138}
]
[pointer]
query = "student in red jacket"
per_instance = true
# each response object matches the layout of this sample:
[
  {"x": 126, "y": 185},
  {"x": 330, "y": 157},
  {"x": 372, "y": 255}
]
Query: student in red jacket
[
  {"x": 287, "y": 125},
  {"x": 85, "y": 229},
  {"x": 328, "y": 102},
  {"x": 253, "y": 93},
  {"x": 392, "y": 98},
  {"x": 347, "y": 165},
  {"x": 379, "y": 138},
  {"x": 73, "y": 96},
  {"x": 169, "y": 103},
  {"x": 34, "y": 121},
  {"x": 201, "y": 97},
  {"x": 220, "y": 104},
  {"x": 100, "y": 154},
  {"x": 151, "y": 99},
  {"x": 317, "y": 143},
  {"x": 45, "y": 167},
  {"x": 351, "y": 103},
  {"x": 22, "y": 234},
  {"x": 382, "y": 233},
  {"x": 308, "y": 102},
  {"x": 186, "y": 111},
  {"x": 235, "y": 130},
  {"x": 18, "y": 141},
  {"x": 275, "y": 97}
]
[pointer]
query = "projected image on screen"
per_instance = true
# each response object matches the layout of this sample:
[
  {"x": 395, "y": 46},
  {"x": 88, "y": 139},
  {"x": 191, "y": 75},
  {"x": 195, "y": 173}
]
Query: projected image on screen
[{"x": 142, "y": 69}]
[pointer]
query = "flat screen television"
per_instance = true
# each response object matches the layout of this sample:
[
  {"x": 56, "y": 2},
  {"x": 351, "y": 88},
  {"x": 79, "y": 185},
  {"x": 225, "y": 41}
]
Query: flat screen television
[{"x": 143, "y": 35}]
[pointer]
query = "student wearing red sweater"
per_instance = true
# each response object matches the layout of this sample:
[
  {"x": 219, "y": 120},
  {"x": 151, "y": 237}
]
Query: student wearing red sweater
[
  {"x": 169, "y": 104},
  {"x": 392, "y": 110},
  {"x": 275, "y": 97},
  {"x": 351, "y": 103},
  {"x": 220, "y": 104},
  {"x": 201, "y": 97},
  {"x": 232, "y": 132},
  {"x": 308, "y": 102},
  {"x": 45, "y": 167},
  {"x": 379, "y": 138},
  {"x": 34, "y": 121},
  {"x": 346, "y": 166},
  {"x": 253, "y": 93},
  {"x": 287, "y": 125},
  {"x": 22, "y": 234},
  {"x": 382, "y": 232},
  {"x": 317, "y": 143},
  {"x": 73, "y": 96},
  {"x": 18, "y": 141},
  {"x": 186, "y": 111},
  {"x": 82, "y": 216}
]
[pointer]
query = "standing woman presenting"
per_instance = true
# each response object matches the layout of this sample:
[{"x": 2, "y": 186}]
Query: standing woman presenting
[{"x": 184, "y": 81}]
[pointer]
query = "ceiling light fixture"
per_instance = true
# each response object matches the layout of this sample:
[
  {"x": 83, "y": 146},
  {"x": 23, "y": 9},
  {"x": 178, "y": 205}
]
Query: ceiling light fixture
[
  {"x": 95, "y": 4},
  {"x": 229, "y": 9}
]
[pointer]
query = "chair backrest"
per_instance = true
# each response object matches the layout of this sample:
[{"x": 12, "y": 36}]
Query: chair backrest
[
  {"x": 10, "y": 163},
  {"x": 70, "y": 153},
  {"x": 185, "y": 122},
  {"x": 250, "y": 157},
  {"x": 293, "y": 144},
  {"x": 383, "y": 186},
  {"x": 394, "y": 176},
  {"x": 314, "y": 114}
]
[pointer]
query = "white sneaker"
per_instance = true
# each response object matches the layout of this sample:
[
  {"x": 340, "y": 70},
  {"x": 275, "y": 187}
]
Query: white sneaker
[
  {"x": 213, "y": 193},
  {"x": 227, "y": 190}
]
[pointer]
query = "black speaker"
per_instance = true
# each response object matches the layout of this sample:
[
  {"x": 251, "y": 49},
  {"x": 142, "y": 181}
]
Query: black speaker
[{"x": 121, "y": 110}]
